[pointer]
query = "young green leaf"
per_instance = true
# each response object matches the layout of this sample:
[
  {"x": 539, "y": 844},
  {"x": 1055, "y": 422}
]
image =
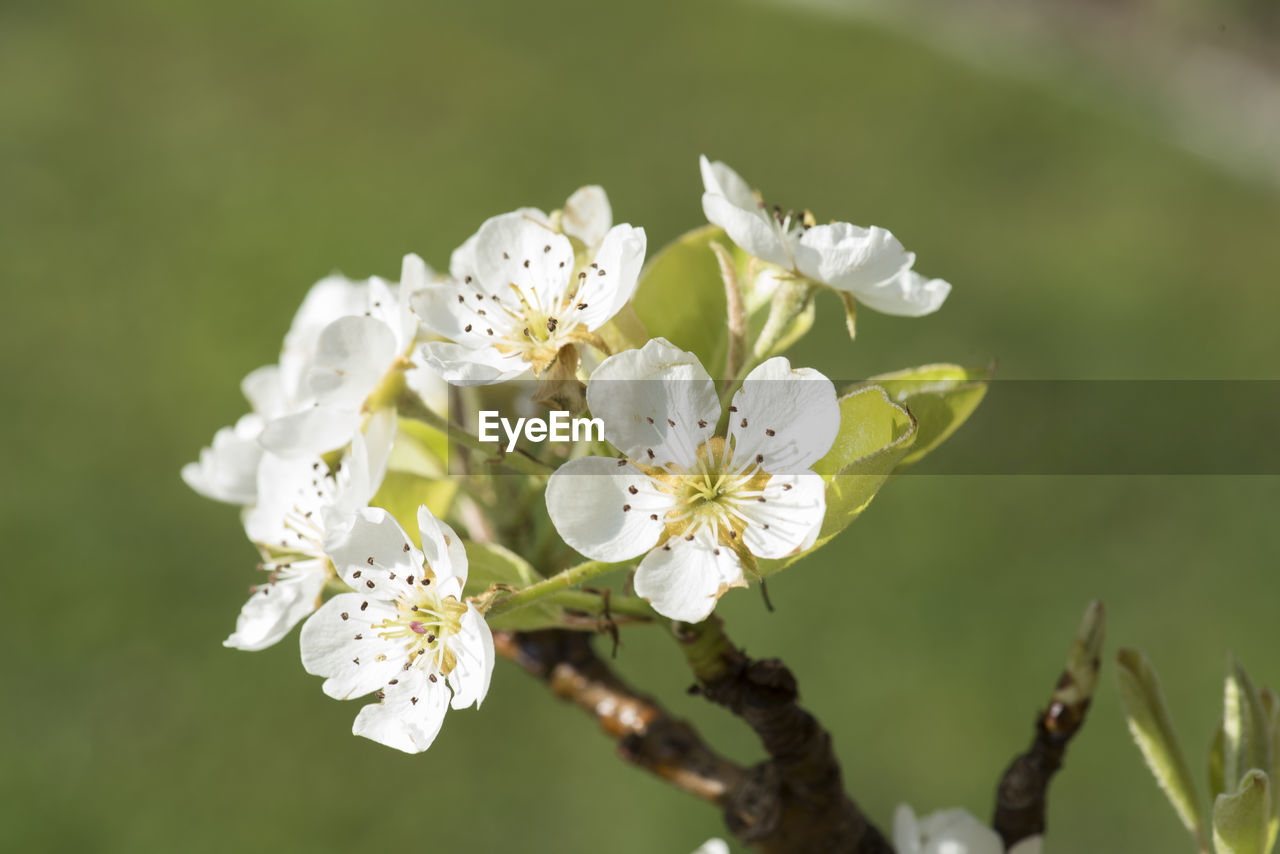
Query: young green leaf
[
  {"x": 874, "y": 435},
  {"x": 1217, "y": 780},
  {"x": 941, "y": 397},
  {"x": 1241, "y": 821},
  {"x": 681, "y": 295},
  {"x": 1246, "y": 734},
  {"x": 1271, "y": 706},
  {"x": 1152, "y": 730},
  {"x": 402, "y": 493},
  {"x": 491, "y": 564}
]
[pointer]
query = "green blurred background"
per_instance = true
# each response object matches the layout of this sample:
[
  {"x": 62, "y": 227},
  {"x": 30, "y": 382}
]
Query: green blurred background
[{"x": 173, "y": 176}]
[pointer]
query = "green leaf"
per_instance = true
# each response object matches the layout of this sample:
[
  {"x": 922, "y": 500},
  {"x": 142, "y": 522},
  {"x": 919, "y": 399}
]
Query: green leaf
[
  {"x": 1271, "y": 706},
  {"x": 875, "y": 434},
  {"x": 490, "y": 564},
  {"x": 1246, "y": 734},
  {"x": 1152, "y": 730},
  {"x": 420, "y": 448},
  {"x": 403, "y": 492},
  {"x": 941, "y": 397},
  {"x": 1217, "y": 781},
  {"x": 680, "y": 296},
  {"x": 1241, "y": 821}
]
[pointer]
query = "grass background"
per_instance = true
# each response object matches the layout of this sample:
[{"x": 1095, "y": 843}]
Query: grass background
[{"x": 174, "y": 175}]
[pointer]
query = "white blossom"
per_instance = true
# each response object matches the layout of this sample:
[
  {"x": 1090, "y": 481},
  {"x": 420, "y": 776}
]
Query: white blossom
[
  {"x": 405, "y": 634},
  {"x": 300, "y": 502},
  {"x": 228, "y": 469},
  {"x": 518, "y": 293},
  {"x": 951, "y": 832},
  {"x": 345, "y": 340},
  {"x": 701, "y": 506},
  {"x": 868, "y": 263}
]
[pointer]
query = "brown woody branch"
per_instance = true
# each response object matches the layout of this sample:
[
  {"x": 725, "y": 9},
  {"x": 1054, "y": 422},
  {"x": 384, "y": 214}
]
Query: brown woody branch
[
  {"x": 1022, "y": 795},
  {"x": 798, "y": 803},
  {"x": 648, "y": 736}
]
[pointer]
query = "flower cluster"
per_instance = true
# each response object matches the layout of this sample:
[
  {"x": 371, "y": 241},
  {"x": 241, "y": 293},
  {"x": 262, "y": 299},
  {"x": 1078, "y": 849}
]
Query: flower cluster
[{"x": 366, "y": 427}]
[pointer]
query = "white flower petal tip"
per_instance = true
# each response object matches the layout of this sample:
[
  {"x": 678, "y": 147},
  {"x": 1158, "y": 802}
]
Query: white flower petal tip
[
  {"x": 588, "y": 216},
  {"x": 869, "y": 263},
  {"x": 713, "y": 846},
  {"x": 518, "y": 295},
  {"x": 947, "y": 832},
  {"x": 700, "y": 508},
  {"x": 227, "y": 470},
  {"x": 405, "y": 634}
]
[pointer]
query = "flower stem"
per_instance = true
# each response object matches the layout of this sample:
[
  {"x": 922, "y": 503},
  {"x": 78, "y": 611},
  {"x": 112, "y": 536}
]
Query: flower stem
[{"x": 557, "y": 583}]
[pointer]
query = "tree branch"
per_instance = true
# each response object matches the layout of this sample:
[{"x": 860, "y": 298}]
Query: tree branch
[
  {"x": 797, "y": 803},
  {"x": 1021, "y": 797},
  {"x": 648, "y": 736}
]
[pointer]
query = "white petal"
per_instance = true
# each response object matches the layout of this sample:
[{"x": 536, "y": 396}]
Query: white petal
[
  {"x": 375, "y": 556},
  {"x": 529, "y": 255},
  {"x": 611, "y": 281},
  {"x": 361, "y": 472},
  {"x": 729, "y": 203},
  {"x": 720, "y": 180},
  {"x": 415, "y": 277},
  {"x": 290, "y": 489},
  {"x": 586, "y": 497},
  {"x": 473, "y": 647},
  {"x": 587, "y": 215},
  {"x": 957, "y": 832},
  {"x": 462, "y": 262},
  {"x": 264, "y": 389},
  {"x": 798, "y": 406},
  {"x": 750, "y": 229},
  {"x": 658, "y": 403},
  {"x": 452, "y": 309},
  {"x": 426, "y": 383},
  {"x": 713, "y": 846},
  {"x": 442, "y": 549},
  {"x": 464, "y": 366},
  {"x": 409, "y": 716},
  {"x": 313, "y": 430},
  {"x": 352, "y": 356},
  {"x": 908, "y": 294},
  {"x": 850, "y": 258},
  {"x": 793, "y": 508},
  {"x": 329, "y": 299},
  {"x": 684, "y": 578},
  {"x": 354, "y": 665},
  {"x": 273, "y": 609},
  {"x": 228, "y": 469},
  {"x": 906, "y": 831}
]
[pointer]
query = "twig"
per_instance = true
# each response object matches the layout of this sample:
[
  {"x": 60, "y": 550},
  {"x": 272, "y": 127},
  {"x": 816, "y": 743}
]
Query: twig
[
  {"x": 1023, "y": 791},
  {"x": 648, "y": 736},
  {"x": 798, "y": 803}
]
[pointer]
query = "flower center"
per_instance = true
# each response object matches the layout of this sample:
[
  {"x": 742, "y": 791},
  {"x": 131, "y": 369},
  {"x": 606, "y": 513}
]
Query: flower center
[
  {"x": 712, "y": 494},
  {"x": 424, "y": 623}
]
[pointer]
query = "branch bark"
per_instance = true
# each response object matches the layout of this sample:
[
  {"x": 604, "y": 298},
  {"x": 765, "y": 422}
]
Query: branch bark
[
  {"x": 1022, "y": 795},
  {"x": 647, "y": 735},
  {"x": 798, "y": 803}
]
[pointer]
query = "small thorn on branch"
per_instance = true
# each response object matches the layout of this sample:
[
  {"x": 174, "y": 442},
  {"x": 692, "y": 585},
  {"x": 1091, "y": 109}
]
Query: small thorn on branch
[{"x": 1022, "y": 795}]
